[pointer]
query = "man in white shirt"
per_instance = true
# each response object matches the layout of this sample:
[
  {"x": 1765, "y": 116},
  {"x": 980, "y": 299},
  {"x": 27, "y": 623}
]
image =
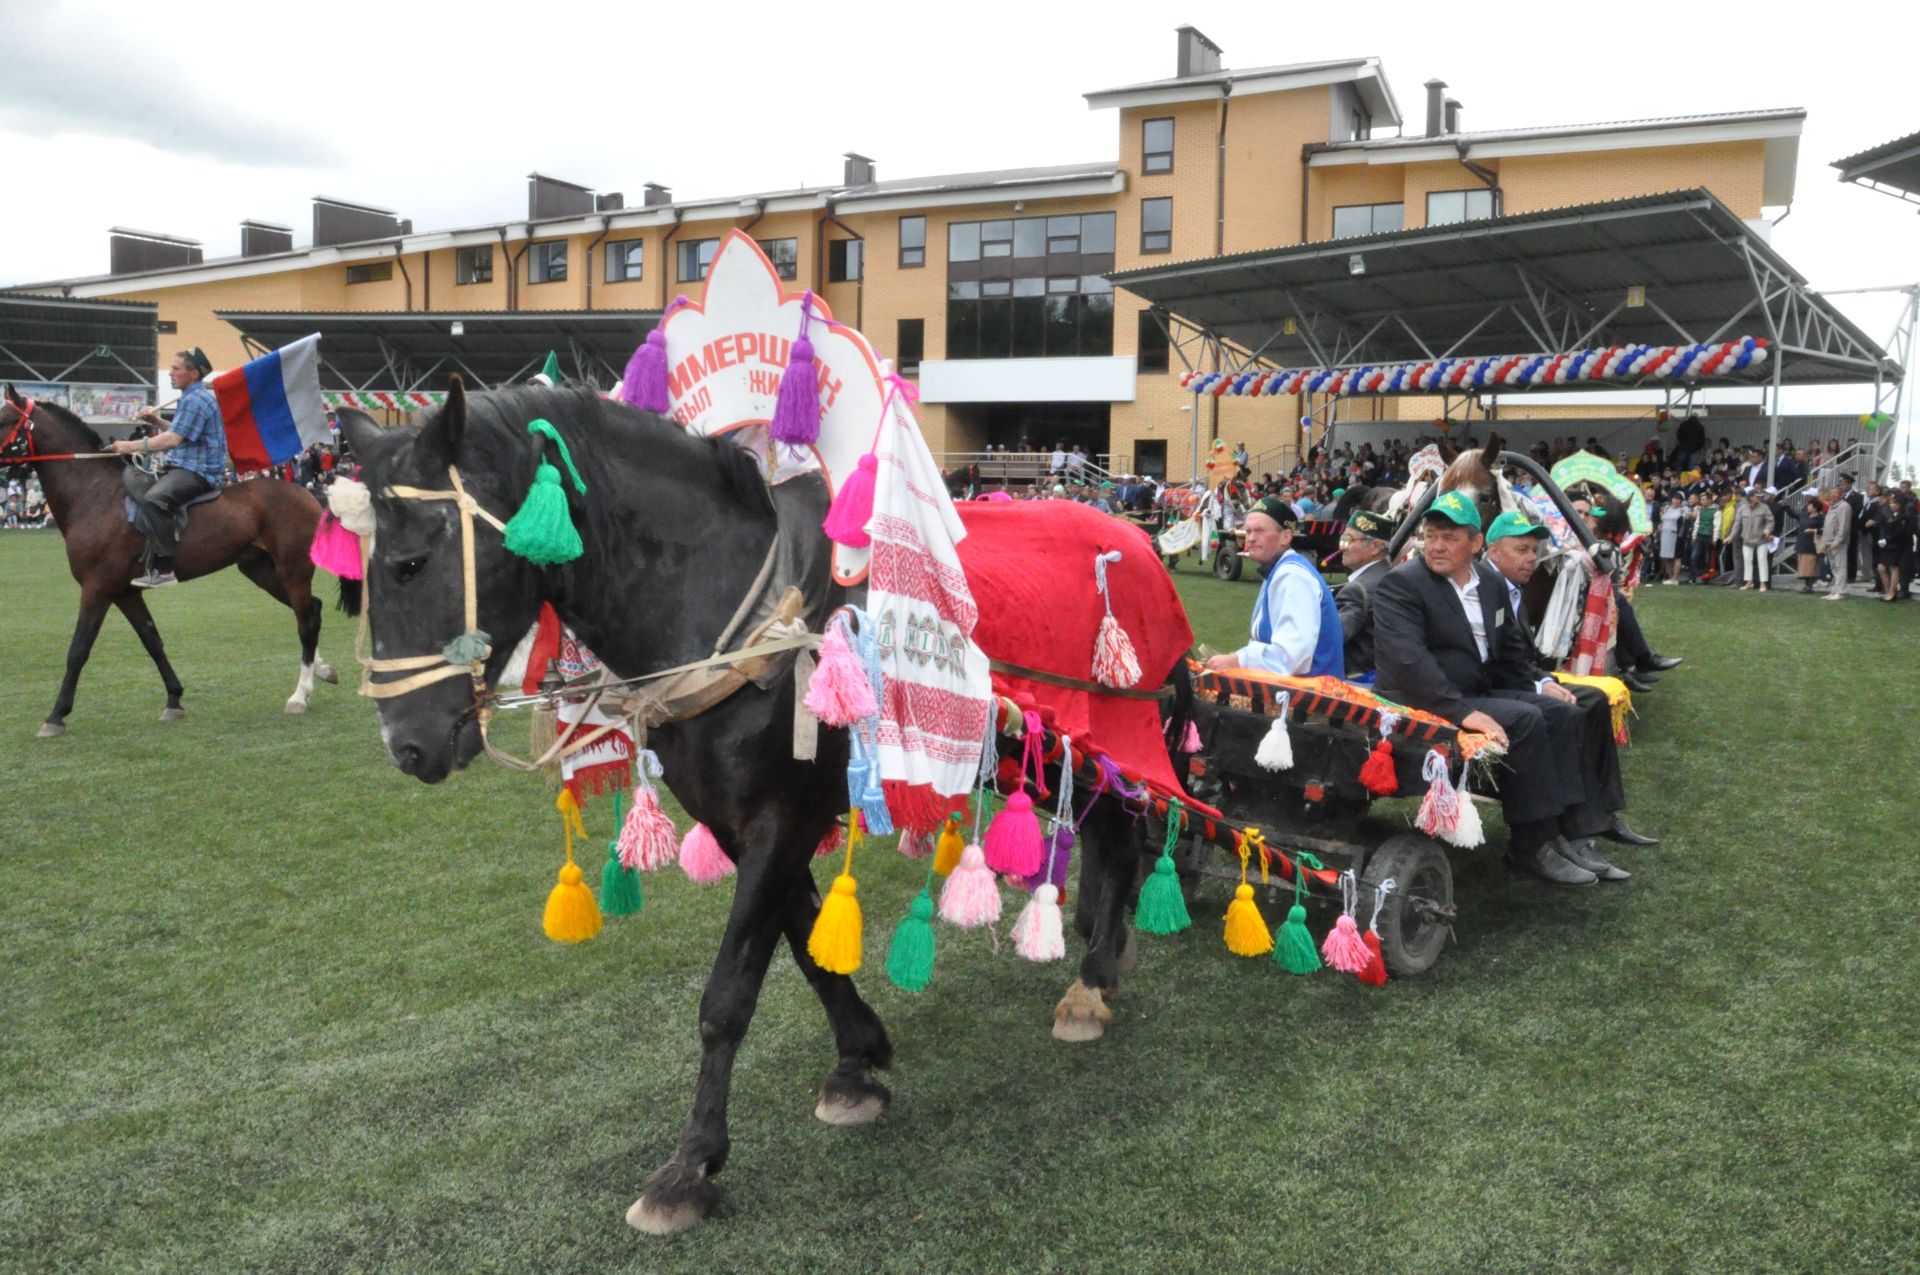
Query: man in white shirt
[{"x": 1296, "y": 626}]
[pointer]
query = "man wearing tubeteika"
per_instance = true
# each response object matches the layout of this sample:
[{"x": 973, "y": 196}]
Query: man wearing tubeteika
[
  {"x": 1296, "y": 626},
  {"x": 1363, "y": 551}
]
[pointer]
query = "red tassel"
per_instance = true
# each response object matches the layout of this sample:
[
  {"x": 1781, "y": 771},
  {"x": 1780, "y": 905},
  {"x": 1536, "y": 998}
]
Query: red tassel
[
  {"x": 1377, "y": 775},
  {"x": 1114, "y": 661},
  {"x": 846, "y": 522},
  {"x": 647, "y": 842},
  {"x": 1374, "y": 972},
  {"x": 832, "y": 843}
]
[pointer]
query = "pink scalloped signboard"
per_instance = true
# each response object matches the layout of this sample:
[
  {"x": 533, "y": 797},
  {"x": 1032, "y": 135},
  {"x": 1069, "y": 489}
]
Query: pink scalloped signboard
[{"x": 727, "y": 352}]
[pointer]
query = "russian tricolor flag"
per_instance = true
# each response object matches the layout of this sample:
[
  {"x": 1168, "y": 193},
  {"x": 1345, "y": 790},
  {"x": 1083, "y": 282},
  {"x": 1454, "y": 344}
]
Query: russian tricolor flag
[{"x": 272, "y": 406}]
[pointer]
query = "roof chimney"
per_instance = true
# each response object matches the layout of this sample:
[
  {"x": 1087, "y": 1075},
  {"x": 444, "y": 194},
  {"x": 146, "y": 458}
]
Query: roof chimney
[
  {"x": 260, "y": 238},
  {"x": 1198, "y": 55},
  {"x": 656, "y": 196},
  {"x": 1436, "y": 106},
  {"x": 336, "y": 221},
  {"x": 552, "y": 197},
  {"x": 612, "y": 201},
  {"x": 1453, "y": 115},
  {"x": 132, "y": 250},
  {"x": 859, "y": 170}
]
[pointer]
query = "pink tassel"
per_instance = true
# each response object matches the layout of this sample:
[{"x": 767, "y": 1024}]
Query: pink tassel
[
  {"x": 915, "y": 844},
  {"x": 796, "y": 409},
  {"x": 335, "y": 548},
  {"x": 647, "y": 841},
  {"x": 1440, "y": 809},
  {"x": 852, "y": 509},
  {"x": 1344, "y": 949},
  {"x": 971, "y": 897},
  {"x": 1114, "y": 663},
  {"x": 1013, "y": 844},
  {"x": 1191, "y": 744},
  {"x": 701, "y": 857},
  {"x": 840, "y": 693},
  {"x": 832, "y": 843},
  {"x": 644, "y": 383},
  {"x": 1039, "y": 933}
]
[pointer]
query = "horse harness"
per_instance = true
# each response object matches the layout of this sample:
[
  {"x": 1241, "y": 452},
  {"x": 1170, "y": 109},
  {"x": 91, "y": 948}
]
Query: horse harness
[
  {"x": 670, "y": 694},
  {"x": 21, "y": 436}
]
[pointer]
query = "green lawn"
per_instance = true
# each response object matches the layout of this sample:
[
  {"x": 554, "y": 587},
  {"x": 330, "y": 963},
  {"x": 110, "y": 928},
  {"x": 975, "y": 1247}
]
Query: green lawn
[{"x": 269, "y": 1005}]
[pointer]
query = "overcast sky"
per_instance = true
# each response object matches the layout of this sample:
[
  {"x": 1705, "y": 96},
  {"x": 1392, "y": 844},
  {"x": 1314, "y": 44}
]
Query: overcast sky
[{"x": 187, "y": 117}]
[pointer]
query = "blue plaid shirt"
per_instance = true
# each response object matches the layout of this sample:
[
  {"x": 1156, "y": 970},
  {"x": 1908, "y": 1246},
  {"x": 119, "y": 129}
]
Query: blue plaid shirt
[{"x": 203, "y": 445}]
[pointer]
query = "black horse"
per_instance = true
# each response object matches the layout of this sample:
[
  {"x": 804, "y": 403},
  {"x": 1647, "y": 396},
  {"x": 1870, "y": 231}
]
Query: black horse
[{"x": 654, "y": 589}]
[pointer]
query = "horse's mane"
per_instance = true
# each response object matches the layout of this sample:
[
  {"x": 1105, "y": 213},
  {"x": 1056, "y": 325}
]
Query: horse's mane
[{"x": 90, "y": 439}]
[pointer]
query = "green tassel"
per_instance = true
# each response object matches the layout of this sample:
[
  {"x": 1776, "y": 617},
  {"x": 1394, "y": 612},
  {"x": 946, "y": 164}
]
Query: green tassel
[
  {"x": 619, "y": 886},
  {"x": 1295, "y": 952},
  {"x": 1162, "y": 908},
  {"x": 910, "y": 955},
  {"x": 542, "y": 530},
  {"x": 468, "y": 648}
]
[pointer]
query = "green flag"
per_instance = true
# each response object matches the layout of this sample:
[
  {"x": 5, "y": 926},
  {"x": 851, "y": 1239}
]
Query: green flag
[{"x": 552, "y": 369}]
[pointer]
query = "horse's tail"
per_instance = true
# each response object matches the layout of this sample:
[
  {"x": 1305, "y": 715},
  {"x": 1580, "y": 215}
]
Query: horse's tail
[
  {"x": 349, "y": 597},
  {"x": 1178, "y": 720}
]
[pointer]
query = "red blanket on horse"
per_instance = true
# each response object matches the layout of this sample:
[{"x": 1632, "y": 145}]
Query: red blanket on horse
[{"x": 1030, "y": 567}]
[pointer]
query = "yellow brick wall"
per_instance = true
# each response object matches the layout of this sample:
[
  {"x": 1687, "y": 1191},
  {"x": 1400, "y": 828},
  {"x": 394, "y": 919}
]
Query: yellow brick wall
[{"x": 1733, "y": 171}]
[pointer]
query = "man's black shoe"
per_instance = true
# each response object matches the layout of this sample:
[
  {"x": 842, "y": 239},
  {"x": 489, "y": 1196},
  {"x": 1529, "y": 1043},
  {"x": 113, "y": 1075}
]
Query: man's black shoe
[
  {"x": 1547, "y": 864},
  {"x": 1620, "y": 832},
  {"x": 1651, "y": 679},
  {"x": 1581, "y": 854},
  {"x": 1635, "y": 684},
  {"x": 1661, "y": 663}
]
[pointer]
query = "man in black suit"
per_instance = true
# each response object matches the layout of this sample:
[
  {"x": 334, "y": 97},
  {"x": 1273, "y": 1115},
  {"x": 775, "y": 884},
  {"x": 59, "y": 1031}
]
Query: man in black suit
[
  {"x": 1363, "y": 551},
  {"x": 1445, "y": 641}
]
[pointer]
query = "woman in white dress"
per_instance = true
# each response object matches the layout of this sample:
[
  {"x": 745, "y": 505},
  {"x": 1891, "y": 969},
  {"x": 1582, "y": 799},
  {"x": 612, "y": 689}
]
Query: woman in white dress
[{"x": 1672, "y": 511}]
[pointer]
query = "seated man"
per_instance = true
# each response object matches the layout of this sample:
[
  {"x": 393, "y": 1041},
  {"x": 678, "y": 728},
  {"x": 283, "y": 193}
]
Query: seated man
[
  {"x": 1363, "y": 551},
  {"x": 1513, "y": 549},
  {"x": 1296, "y": 626},
  {"x": 1446, "y": 641}
]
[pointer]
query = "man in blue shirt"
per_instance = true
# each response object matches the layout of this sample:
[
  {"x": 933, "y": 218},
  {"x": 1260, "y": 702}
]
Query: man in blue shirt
[
  {"x": 1296, "y": 626},
  {"x": 196, "y": 443}
]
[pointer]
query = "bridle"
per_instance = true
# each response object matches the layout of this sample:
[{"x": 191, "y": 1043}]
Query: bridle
[{"x": 21, "y": 437}]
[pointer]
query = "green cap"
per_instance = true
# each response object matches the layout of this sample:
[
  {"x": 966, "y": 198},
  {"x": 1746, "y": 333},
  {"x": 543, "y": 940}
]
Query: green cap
[
  {"x": 1277, "y": 509},
  {"x": 1515, "y": 523},
  {"x": 1371, "y": 525},
  {"x": 1456, "y": 509},
  {"x": 201, "y": 363}
]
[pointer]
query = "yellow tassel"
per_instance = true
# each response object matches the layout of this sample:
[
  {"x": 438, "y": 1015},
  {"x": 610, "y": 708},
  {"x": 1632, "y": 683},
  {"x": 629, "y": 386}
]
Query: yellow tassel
[
  {"x": 572, "y": 916},
  {"x": 1247, "y": 932},
  {"x": 835, "y": 941},
  {"x": 946, "y": 852}
]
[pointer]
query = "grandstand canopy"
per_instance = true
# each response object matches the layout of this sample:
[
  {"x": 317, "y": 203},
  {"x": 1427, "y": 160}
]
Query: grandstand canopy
[
  {"x": 1677, "y": 268},
  {"x": 54, "y": 339},
  {"x": 413, "y": 351},
  {"x": 1893, "y": 167}
]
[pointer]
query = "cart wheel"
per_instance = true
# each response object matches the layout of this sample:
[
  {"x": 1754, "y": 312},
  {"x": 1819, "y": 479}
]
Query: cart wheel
[
  {"x": 1418, "y": 915},
  {"x": 1187, "y": 858},
  {"x": 1226, "y": 563}
]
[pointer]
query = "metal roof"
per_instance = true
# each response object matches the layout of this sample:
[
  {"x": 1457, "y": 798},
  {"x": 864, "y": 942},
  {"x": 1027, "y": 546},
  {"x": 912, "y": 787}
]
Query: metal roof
[
  {"x": 55, "y": 339},
  {"x": 411, "y": 351},
  {"x": 1226, "y": 75},
  {"x": 1550, "y": 131},
  {"x": 1538, "y": 282},
  {"x": 1894, "y": 164}
]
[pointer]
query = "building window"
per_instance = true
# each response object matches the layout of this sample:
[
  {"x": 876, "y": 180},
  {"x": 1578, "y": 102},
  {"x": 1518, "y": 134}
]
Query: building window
[
  {"x": 1445, "y": 207},
  {"x": 473, "y": 265},
  {"x": 784, "y": 254},
  {"x": 1156, "y": 225},
  {"x": 696, "y": 258},
  {"x": 372, "y": 272},
  {"x": 1155, "y": 351},
  {"x": 625, "y": 260},
  {"x": 963, "y": 241},
  {"x": 913, "y": 242},
  {"x": 911, "y": 345},
  {"x": 1030, "y": 287},
  {"x": 1156, "y": 146},
  {"x": 1367, "y": 219},
  {"x": 843, "y": 260},
  {"x": 547, "y": 262}
]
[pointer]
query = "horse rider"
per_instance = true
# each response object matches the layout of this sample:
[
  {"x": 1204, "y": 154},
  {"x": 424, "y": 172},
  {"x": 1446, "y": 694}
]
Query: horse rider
[
  {"x": 1363, "y": 551},
  {"x": 1446, "y": 642},
  {"x": 1296, "y": 625},
  {"x": 1514, "y": 543},
  {"x": 196, "y": 462}
]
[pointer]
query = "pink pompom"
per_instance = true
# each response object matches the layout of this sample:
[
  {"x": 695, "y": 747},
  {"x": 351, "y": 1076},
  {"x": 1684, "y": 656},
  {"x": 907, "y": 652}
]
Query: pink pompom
[
  {"x": 335, "y": 548},
  {"x": 701, "y": 857},
  {"x": 832, "y": 843},
  {"x": 971, "y": 896},
  {"x": 1114, "y": 663},
  {"x": 1344, "y": 949},
  {"x": 840, "y": 693},
  {"x": 647, "y": 841},
  {"x": 1012, "y": 844},
  {"x": 1191, "y": 744},
  {"x": 846, "y": 522},
  {"x": 1039, "y": 933}
]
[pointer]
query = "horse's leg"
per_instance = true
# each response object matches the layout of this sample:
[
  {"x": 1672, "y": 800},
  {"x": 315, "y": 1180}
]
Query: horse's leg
[
  {"x": 679, "y": 1194},
  {"x": 1110, "y": 869},
  {"x": 849, "y": 1094},
  {"x": 297, "y": 594},
  {"x": 133, "y": 605},
  {"x": 94, "y": 601}
]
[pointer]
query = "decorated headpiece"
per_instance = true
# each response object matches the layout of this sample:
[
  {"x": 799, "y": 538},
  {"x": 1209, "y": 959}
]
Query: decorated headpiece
[
  {"x": 1371, "y": 525},
  {"x": 1277, "y": 509}
]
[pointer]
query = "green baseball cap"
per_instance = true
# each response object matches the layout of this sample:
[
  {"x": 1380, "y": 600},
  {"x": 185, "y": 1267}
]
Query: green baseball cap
[
  {"x": 1456, "y": 509},
  {"x": 1515, "y": 523}
]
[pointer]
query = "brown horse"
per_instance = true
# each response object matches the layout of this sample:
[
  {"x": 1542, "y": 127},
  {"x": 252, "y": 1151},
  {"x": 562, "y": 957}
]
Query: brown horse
[{"x": 265, "y": 528}]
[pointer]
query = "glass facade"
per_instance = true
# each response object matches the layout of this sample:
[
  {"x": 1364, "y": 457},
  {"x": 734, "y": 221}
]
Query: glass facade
[{"x": 1030, "y": 287}]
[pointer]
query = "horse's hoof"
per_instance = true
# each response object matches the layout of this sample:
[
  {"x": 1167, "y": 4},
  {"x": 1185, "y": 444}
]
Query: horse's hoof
[
  {"x": 296, "y": 706},
  {"x": 1081, "y": 1015},
  {"x": 851, "y": 1100},
  {"x": 52, "y": 730},
  {"x": 674, "y": 1199},
  {"x": 172, "y": 714},
  {"x": 326, "y": 673}
]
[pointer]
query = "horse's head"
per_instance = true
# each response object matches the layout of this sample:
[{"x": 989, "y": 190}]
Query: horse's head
[
  {"x": 16, "y": 440},
  {"x": 1476, "y": 475},
  {"x": 422, "y": 594}
]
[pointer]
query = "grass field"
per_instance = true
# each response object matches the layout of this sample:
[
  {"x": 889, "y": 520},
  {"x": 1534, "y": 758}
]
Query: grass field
[{"x": 269, "y": 1005}]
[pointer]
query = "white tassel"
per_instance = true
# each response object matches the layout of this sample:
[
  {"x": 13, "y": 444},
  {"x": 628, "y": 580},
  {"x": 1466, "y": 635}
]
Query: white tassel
[
  {"x": 1276, "y": 750},
  {"x": 1467, "y": 831},
  {"x": 1039, "y": 933}
]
